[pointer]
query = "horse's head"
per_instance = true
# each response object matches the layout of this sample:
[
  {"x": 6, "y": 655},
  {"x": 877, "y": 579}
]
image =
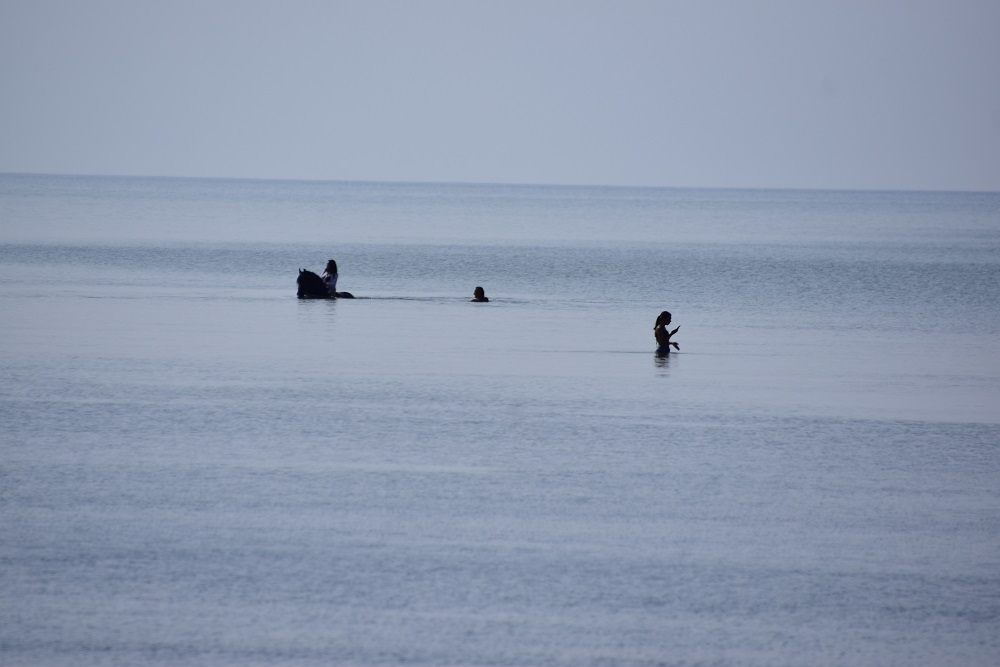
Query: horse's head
[{"x": 310, "y": 285}]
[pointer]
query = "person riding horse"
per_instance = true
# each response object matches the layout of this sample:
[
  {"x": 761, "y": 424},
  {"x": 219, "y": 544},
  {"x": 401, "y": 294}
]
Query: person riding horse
[{"x": 312, "y": 286}]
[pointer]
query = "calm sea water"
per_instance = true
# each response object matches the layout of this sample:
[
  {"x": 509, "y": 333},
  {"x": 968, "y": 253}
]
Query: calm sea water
[{"x": 200, "y": 469}]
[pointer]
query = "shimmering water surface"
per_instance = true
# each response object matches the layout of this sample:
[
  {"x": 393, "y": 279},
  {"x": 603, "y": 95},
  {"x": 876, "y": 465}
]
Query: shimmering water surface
[{"x": 200, "y": 469}]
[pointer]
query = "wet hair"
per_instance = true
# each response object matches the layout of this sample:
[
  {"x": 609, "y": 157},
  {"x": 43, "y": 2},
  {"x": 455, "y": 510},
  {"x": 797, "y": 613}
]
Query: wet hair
[
  {"x": 663, "y": 317},
  {"x": 479, "y": 291},
  {"x": 334, "y": 265}
]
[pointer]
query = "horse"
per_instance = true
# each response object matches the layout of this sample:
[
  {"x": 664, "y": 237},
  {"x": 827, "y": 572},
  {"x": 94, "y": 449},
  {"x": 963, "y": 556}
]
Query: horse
[{"x": 312, "y": 286}]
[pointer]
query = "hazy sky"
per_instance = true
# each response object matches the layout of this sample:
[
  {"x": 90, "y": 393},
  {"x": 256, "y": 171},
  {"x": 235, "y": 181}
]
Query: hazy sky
[{"x": 825, "y": 94}]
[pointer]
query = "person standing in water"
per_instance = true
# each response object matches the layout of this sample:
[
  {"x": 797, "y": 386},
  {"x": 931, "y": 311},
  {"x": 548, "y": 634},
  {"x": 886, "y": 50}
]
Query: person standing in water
[
  {"x": 478, "y": 296},
  {"x": 330, "y": 277},
  {"x": 662, "y": 334}
]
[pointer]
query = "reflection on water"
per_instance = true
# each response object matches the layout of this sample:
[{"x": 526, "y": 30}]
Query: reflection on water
[{"x": 662, "y": 361}]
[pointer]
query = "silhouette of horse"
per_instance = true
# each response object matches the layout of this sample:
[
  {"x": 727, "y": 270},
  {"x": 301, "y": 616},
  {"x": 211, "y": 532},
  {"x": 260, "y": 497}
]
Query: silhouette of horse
[{"x": 312, "y": 286}]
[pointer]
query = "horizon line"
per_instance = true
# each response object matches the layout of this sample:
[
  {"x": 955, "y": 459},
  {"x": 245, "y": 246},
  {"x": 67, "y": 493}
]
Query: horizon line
[{"x": 499, "y": 183}]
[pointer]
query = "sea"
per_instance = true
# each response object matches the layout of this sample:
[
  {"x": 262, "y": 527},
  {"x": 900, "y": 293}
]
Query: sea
[{"x": 199, "y": 468}]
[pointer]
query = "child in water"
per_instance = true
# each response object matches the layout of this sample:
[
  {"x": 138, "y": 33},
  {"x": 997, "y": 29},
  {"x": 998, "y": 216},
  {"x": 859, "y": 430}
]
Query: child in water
[
  {"x": 662, "y": 334},
  {"x": 478, "y": 296}
]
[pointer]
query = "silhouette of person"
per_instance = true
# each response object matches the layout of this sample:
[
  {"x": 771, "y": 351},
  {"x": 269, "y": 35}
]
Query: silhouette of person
[
  {"x": 478, "y": 296},
  {"x": 330, "y": 277},
  {"x": 662, "y": 334}
]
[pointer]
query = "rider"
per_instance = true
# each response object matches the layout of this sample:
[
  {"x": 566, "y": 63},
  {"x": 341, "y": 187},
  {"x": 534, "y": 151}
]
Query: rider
[{"x": 330, "y": 277}]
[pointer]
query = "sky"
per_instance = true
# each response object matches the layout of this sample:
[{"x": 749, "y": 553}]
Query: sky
[{"x": 838, "y": 94}]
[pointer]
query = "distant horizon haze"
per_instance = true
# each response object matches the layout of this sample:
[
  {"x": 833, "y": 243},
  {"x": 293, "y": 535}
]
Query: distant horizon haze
[
  {"x": 770, "y": 94},
  {"x": 482, "y": 183}
]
